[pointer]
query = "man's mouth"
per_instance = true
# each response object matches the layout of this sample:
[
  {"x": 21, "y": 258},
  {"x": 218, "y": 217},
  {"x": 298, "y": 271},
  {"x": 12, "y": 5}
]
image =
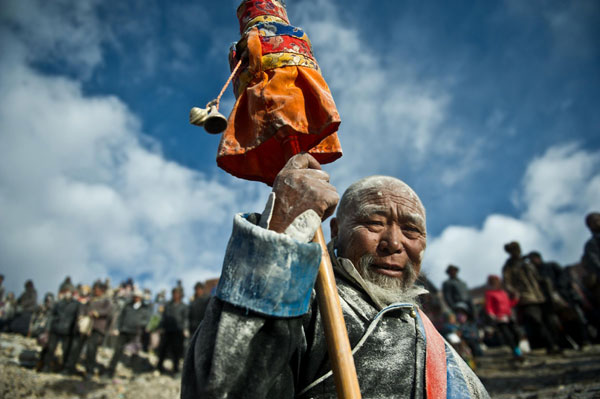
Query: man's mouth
[{"x": 388, "y": 269}]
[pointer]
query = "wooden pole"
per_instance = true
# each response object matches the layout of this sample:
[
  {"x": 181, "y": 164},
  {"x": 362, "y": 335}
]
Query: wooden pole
[
  {"x": 336, "y": 334},
  {"x": 338, "y": 345}
]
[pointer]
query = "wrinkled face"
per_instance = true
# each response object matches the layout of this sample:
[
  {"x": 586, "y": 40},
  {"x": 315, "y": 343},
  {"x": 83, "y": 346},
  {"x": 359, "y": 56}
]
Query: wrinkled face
[{"x": 386, "y": 225}]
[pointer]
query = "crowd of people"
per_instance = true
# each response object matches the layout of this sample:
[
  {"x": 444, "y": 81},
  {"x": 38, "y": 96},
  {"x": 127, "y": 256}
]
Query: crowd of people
[
  {"x": 82, "y": 318},
  {"x": 532, "y": 301}
]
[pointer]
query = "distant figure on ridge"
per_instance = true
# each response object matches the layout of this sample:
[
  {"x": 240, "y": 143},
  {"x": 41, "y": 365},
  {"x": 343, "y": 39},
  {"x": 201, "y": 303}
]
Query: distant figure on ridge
[
  {"x": 522, "y": 281},
  {"x": 456, "y": 291}
]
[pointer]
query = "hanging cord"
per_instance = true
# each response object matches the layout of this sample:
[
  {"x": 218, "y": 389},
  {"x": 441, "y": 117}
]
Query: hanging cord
[
  {"x": 360, "y": 343},
  {"x": 216, "y": 101}
]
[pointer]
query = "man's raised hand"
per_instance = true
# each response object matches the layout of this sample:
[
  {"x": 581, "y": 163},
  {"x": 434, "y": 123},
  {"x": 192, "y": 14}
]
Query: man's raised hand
[{"x": 301, "y": 185}]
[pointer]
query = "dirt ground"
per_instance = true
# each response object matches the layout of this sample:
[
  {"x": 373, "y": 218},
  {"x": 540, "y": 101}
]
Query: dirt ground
[
  {"x": 574, "y": 374},
  {"x": 570, "y": 375},
  {"x": 19, "y": 382}
]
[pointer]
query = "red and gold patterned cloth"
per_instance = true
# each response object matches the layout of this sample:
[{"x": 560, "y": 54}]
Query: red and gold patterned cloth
[{"x": 280, "y": 92}]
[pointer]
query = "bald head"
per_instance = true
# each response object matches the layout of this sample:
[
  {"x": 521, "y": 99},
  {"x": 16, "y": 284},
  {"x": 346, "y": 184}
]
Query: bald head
[{"x": 353, "y": 200}]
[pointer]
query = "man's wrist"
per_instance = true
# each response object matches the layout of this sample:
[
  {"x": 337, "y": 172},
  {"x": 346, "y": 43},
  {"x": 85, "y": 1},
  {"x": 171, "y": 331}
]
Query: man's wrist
[{"x": 302, "y": 228}]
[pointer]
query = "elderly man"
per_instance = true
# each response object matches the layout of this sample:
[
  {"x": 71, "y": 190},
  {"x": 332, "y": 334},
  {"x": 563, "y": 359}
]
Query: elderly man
[{"x": 262, "y": 335}]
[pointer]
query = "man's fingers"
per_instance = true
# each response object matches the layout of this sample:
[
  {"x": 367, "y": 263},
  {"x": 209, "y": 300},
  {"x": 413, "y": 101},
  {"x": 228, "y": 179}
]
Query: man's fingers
[
  {"x": 302, "y": 161},
  {"x": 332, "y": 198},
  {"x": 316, "y": 174}
]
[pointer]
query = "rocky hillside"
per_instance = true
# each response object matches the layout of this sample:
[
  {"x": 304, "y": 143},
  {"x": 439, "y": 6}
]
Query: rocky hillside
[{"x": 19, "y": 381}]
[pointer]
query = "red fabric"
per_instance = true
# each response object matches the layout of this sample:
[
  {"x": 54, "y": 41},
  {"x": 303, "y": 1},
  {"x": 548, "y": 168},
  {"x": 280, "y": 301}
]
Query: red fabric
[
  {"x": 251, "y": 9},
  {"x": 282, "y": 43},
  {"x": 435, "y": 361},
  {"x": 497, "y": 303}
]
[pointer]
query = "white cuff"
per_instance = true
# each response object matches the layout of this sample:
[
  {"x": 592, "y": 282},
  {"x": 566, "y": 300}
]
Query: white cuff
[
  {"x": 302, "y": 229},
  {"x": 265, "y": 217}
]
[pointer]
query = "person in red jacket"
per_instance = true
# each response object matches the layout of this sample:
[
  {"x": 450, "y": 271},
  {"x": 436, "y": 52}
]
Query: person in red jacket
[{"x": 498, "y": 307}]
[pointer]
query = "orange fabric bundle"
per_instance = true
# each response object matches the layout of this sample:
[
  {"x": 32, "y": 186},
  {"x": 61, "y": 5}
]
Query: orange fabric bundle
[{"x": 280, "y": 93}]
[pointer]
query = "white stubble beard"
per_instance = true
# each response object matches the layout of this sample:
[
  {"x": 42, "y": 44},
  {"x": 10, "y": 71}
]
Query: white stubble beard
[{"x": 389, "y": 289}]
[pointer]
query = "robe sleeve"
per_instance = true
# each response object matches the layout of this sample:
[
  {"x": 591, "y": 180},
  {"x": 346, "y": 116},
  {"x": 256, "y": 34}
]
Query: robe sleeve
[{"x": 250, "y": 341}]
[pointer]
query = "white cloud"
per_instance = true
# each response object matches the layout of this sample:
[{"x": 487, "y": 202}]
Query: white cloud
[
  {"x": 557, "y": 191},
  {"x": 390, "y": 118},
  {"x": 81, "y": 191}
]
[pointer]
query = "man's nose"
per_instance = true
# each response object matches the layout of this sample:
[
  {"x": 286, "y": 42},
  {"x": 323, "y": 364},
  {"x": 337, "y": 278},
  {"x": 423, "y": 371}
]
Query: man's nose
[{"x": 391, "y": 241}]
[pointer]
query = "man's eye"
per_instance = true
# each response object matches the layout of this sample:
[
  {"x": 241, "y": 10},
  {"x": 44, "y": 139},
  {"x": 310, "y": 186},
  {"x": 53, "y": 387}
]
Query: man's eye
[
  {"x": 411, "y": 229},
  {"x": 373, "y": 224}
]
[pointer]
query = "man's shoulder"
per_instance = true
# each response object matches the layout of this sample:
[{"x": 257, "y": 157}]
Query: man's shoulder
[
  {"x": 512, "y": 264},
  {"x": 593, "y": 243}
]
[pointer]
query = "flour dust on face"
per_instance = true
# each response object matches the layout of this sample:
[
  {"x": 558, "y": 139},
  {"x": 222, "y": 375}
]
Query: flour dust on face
[
  {"x": 388, "y": 289},
  {"x": 383, "y": 218}
]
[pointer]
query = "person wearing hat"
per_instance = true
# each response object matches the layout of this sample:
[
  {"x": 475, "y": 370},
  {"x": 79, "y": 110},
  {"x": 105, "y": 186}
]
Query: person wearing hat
[
  {"x": 456, "y": 292},
  {"x": 174, "y": 327},
  {"x": 560, "y": 308},
  {"x": 26, "y": 305},
  {"x": 66, "y": 283},
  {"x": 591, "y": 258},
  {"x": 98, "y": 309},
  {"x": 40, "y": 319},
  {"x": 523, "y": 282},
  {"x": 198, "y": 306},
  {"x": 130, "y": 325},
  {"x": 61, "y": 326},
  {"x": 27, "y": 301}
]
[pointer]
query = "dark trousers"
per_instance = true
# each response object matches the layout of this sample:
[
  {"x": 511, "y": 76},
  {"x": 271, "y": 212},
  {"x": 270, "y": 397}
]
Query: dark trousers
[
  {"x": 75, "y": 352},
  {"x": 145, "y": 341},
  {"x": 171, "y": 343},
  {"x": 508, "y": 334},
  {"x": 92, "y": 343},
  {"x": 53, "y": 341},
  {"x": 538, "y": 325},
  {"x": 122, "y": 340}
]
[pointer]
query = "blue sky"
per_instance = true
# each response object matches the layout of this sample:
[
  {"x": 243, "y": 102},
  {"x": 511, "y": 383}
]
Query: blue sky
[{"x": 488, "y": 109}]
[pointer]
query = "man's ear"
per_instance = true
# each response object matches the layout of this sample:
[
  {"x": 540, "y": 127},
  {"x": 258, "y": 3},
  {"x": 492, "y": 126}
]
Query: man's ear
[{"x": 333, "y": 224}]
